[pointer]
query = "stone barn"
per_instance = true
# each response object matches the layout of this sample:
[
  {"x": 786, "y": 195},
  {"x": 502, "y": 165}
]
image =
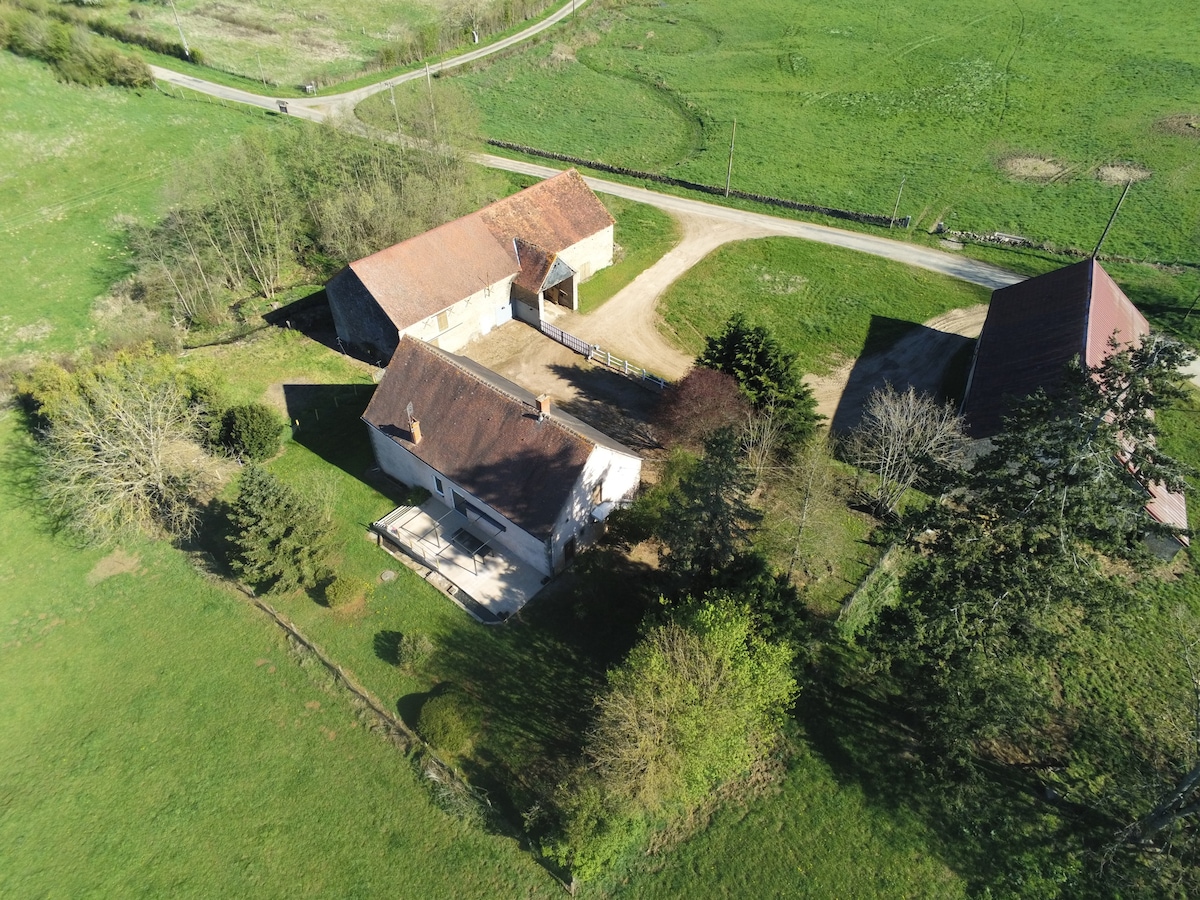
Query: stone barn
[{"x": 462, "y": 279}]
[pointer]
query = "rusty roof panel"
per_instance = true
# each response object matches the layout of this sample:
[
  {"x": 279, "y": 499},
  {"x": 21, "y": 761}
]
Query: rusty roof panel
[
  {"x": 1169, "y": 509},
  {"x": 1111, "y": 313},
  {"x": 1033, "y": 329}
]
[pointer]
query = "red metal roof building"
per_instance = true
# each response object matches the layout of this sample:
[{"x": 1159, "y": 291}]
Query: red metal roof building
[{"x": 1032, "y": 332}]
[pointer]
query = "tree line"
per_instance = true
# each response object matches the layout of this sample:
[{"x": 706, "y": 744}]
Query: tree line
[{"x": 292, "y": 205}]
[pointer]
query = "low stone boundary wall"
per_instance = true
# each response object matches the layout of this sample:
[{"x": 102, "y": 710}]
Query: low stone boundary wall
[{"x": 831, "y": 211}]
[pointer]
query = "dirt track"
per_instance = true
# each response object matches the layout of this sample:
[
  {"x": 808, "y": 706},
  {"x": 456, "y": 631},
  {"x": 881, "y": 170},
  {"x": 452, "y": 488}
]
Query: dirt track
[{"x": 628, "y": 325}]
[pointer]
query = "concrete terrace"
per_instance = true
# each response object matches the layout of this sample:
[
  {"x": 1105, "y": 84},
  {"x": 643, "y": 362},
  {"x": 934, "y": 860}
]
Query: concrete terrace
[{"x": 484, "y": 578}]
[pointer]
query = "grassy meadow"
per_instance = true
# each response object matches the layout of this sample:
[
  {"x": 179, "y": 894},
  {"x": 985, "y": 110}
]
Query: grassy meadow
[
  {"x": 825, "y": 304},
  {"x": 72, "y": 160},
  {"x": 161, "y": 739},
  {"x": 1007, "y": 118},
  {"x": 292, "y": 44}
]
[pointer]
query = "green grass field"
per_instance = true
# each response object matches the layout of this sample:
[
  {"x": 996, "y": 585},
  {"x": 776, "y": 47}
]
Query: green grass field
[
  {"x": 994, "y": 118},
  {"x": 825, "y": 304},
  {"x": 296, "y": 43},
  {"x": 160, "y": 739},
  {"x": 74, "y": 159}
]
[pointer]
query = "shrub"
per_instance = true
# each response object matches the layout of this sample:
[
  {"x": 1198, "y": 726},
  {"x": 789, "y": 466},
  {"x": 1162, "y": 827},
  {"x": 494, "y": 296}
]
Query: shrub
[
  {"x": 344, "y": 590},
  {"x": 279, "y": 540},
  {"x": 413, "y": 651},
  {"x": 449, "y": 721},
  {"x": 251, "y": 431}
]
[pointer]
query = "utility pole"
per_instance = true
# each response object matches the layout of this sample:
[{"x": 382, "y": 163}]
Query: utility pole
[
  {"x": 432, "y": 109},
  {"x": 399, "y": 134},
  {"x": 896, "y": 208},
  {"x": 1112, "y": 218},
  {"x": 258, "y": 56},
  {"x": 182, "y": 39},
  {"x": 729, "y": 168}
]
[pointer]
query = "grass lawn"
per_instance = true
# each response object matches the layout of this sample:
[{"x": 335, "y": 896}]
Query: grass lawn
[
  {"x": 993, "y": 119},
  {"x": 160, "y": 740},
  {"x": 286, "y": 43},
  {"x": 72, "y": 159},
  {"x": 823, "y": 303}
]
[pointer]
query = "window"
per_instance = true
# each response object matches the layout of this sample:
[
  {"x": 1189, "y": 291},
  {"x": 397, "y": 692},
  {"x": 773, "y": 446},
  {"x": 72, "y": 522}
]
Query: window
[
  {"x": 437, "y": 483},
  {"x": 597, "y": 493},
  {"x": 443, "y": 321}
]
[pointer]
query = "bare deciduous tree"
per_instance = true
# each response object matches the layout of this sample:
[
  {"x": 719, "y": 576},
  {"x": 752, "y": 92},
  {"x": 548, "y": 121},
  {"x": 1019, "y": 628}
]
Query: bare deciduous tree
[
  {"x": 122, "y": 452},
  {"x": 902, "y": 437}
]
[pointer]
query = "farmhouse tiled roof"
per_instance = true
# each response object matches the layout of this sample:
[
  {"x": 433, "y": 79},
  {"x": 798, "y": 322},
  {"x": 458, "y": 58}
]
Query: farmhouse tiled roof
[
  {"x": 426, "y": 274},
  {"x": 420, "y": 277},
  {"x": 535, "y": 265},
  {"x": 553, "y": 214},
  {"x": 483, "y": 433}
]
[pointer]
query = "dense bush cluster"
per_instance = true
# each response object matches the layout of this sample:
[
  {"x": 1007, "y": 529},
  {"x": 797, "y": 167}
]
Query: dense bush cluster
[
  {"x": 30, "y": 30},
  {"x": 292, "y": 206},
  {"x": 251, "y": 431},
  {"x": 461, "y": 21}
]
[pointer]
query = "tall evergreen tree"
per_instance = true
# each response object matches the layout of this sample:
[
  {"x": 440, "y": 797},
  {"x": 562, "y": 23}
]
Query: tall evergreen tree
[
  {"x": 279, "y": 541},
  {"x": 766, "y": 373},
  {"x": 709, "y": 518},
  {"x": 1076, "y": 463}
]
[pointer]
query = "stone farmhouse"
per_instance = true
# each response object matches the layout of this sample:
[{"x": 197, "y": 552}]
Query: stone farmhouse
[
  {"x": 1032, "y": 331},
  {"x": 462, "y": 279},
  {"x": 521, "y": 473}
]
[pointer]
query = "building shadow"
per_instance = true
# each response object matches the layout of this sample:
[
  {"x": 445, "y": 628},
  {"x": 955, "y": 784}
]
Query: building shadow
[
  {"x": 326, "y": 419},
  {"x": 902, "y": 354},
  {"x": 616, "y": 405}
]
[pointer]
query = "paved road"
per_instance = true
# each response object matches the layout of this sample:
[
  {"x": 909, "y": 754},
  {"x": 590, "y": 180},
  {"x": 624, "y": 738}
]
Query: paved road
[{"x": 318, "y": 109}]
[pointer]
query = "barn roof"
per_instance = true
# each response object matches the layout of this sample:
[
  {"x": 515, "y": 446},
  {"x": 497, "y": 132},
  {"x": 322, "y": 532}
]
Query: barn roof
[
  {"x": 428, "y": 273},
  {"x": 553, "y": 214},
  {"x": 483, "y": 433},
  {"x": 1035, "y": 328}
]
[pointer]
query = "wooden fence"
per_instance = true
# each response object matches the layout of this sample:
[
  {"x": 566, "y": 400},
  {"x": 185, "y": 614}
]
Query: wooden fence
[{"x": 597, "y": 354}]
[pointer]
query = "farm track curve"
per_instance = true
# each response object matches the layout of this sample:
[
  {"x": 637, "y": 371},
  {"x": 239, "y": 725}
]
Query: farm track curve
[{"x": 630, "y": 326}]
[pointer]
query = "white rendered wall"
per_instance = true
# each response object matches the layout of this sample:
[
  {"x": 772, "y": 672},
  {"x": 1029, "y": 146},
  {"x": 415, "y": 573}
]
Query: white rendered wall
[
  {"x": 400, "y": 464},
  {"x": 617, "y": 475},
  {"x": 591, "y": 254},
  {"x": 467, "y": 319}
]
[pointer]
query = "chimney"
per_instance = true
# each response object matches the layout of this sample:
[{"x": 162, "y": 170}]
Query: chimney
[
  {"x": 543, "y": 406},
  {"x": 414, "y": 429}
]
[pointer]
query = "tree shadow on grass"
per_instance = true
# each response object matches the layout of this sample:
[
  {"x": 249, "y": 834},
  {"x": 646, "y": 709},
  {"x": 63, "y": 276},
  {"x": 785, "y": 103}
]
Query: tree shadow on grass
[
  {"x": 993, "y": 825},
  {"x": 535, "y": 678},
  {"x": 387, "y": 646}
]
